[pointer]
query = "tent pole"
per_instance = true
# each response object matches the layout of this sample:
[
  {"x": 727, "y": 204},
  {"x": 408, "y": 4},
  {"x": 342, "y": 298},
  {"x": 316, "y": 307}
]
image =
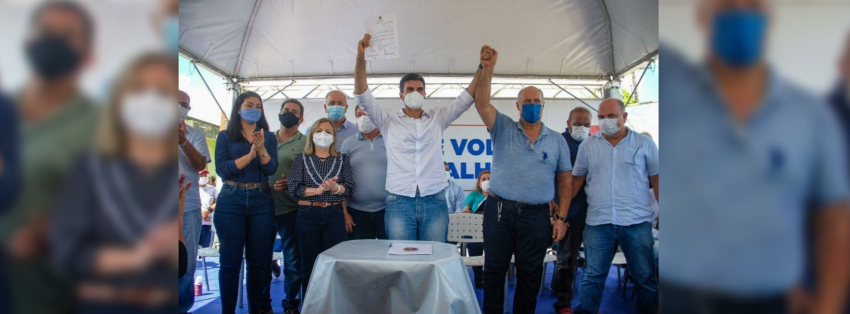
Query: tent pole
[
  {"x": 574, "y": 96},
  {"x": 636, "y": 85},
  {"x": 208, "y": 88},
  {"x": 279, "y": 91}
]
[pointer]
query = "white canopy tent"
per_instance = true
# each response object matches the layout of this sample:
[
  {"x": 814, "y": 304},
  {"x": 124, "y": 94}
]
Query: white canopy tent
[{"x": 275, "y": 46}]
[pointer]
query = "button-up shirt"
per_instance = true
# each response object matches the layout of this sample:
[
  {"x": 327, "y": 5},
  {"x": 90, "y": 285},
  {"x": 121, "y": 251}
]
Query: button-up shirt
[
  {"x": 227, "y": 151},
  {"x": 523, "y": 171},
  {"x": 369, "y": 168},
  {"x": 198, "y": 139},
  {"x": 454, "y": 197},
  {"x": 346, "y": 130},
  {"x": 414, "y": 146},
  {"x": 285, "y": 202},
  {"x": 617, "y": 182},
  {"x": 737, "y": 194}
]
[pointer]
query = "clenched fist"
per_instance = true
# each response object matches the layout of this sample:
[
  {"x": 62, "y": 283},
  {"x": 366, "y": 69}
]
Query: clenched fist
[
  {"x": 488, "y": 56},
  {"x": 363, "y": 44}
]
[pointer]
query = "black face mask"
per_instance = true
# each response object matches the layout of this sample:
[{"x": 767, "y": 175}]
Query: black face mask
[
  {"x": 288, "y": 119},
  {"x": 52, "y": 57}
]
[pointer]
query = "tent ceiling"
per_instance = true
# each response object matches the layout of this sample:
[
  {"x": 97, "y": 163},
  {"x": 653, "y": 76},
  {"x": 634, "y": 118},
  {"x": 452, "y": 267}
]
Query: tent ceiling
[{"x": 279, "y": 39}]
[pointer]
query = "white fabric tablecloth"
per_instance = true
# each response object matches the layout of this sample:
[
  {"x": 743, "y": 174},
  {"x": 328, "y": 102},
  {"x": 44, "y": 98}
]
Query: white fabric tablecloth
[{"x": 359, "y": 277}]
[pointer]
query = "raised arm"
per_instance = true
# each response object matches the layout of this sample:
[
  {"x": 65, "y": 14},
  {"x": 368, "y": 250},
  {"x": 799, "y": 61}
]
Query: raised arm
[
  {"x": 360, "y": 85},
  {"x": 482, "y": 91},
  {"x": 362, "y": 96}
]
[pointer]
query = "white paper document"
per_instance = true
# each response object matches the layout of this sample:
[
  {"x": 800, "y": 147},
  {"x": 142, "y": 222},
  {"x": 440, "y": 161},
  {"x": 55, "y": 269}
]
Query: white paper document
[
  {"x": 409, "y": 249},
  {"x": 384, "y": 42}
]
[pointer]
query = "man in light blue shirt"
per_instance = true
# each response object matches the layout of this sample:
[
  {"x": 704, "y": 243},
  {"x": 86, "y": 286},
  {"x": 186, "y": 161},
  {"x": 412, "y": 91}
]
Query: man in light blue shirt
[
  {"x": 527, "y": 159},
  {"x": 454, "y": 193},
  {"x": 336, "y": 105},
  {"x": 367, "y": 153},
  {"x": 618, "y": 166}
]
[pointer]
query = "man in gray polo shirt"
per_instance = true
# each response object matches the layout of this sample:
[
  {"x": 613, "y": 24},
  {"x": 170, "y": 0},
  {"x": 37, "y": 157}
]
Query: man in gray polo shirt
[
  {"x": 368, "y": 156},
  {"x": 527, "y": 158}
]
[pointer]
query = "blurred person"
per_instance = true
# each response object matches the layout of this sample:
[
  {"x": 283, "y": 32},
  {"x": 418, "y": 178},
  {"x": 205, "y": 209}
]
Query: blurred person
[
  {"x": 652, "y": 196},
  {"x": 368, "y": 154},
  {"x": 741, "y": 182},
  {"x": 9, "y": 181},
  {"x": 245, "y": 158},
  {"x": 454, "y": 193},
  {"x": 114, "y": 236},
  {"x": 183, "y": 262},
  {"x": 193, "y": 156},
  {"x": 416, "y": 204},
  {"x": 54, "y": 113},
  {"x": 617, "y": 165},
  {"x": 290, "y": 143},
  {"x": 528, "y": 160},
  {"x": 208, "y": 198},
  {"x": 321, "y": 180},
  {"x": 336, "y": 105},
  {"x": 840, "y": 101},
  {"x": 166, "y": 22},
  {"x": 564, "y": 276},
  {"x": 471, "y": 205}
]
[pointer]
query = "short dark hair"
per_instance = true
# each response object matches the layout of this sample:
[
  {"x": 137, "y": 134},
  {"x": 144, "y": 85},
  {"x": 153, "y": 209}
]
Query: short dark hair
[
  {"x": 577, "y": 110},
  {"x": 410, "y": 77},
  {"x": 72, "y": 7},
  {"x": 234, "y": 125},
  {"x": 295, "y": 101}
]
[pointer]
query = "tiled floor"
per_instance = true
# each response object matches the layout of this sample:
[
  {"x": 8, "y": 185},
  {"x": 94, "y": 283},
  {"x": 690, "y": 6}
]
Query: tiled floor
[{"x": 612, "y": 302}]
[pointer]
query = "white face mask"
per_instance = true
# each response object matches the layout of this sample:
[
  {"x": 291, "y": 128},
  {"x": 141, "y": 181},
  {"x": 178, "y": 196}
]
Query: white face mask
[
  {"x": 203, "y": 180},
  {"x": 183, "y": 112},
  {"x": 485, "y": 186},
  {"x": 322, "y": 139},
  {"x": 414, "y": 100},
  {"x": 579, "y": 133},
  {"x": 364, "y": 124},
  {"x": 448, "y": 175},
  {"x": 609, "y": 126},
  {"x": 148, "y": 114}
]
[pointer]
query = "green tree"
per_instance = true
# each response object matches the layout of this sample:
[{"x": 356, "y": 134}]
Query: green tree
[{"x": 626, "y": 95}]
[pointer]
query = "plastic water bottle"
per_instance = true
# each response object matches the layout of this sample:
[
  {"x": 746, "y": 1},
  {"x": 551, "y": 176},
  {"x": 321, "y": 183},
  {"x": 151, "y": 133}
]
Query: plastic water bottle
[{"x": 199, "y": 287}]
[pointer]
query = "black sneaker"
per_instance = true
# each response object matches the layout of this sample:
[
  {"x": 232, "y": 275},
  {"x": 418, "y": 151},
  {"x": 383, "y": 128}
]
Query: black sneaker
[
  {"x": 292, "y": 311},
  {"x": 275, "y": 269}
]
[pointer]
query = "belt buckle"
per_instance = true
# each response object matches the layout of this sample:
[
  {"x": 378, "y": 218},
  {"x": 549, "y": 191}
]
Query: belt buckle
[{"x": 251, "y": 185}]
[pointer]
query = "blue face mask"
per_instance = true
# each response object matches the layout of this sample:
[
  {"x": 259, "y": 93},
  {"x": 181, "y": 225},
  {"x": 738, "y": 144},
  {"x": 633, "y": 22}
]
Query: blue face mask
[
  {"x": 171, "y": 33},
  {"x": 251, "y": 115},
  {"x": 738, "y": 37},
  {"x": 336, "y": 113},
  {"x": 531, "y": 112}
]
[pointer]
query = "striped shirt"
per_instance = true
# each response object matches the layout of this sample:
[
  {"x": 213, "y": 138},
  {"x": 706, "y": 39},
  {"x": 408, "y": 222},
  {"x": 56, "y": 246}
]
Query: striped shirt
[{"x": 311, "y": 171}]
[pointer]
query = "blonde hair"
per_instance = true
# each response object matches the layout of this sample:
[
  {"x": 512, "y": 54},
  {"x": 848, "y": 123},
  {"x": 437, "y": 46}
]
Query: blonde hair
[
  {"x": 478, "y": 183},
  {"x": 310, "y": 149},
  {"x": 112, "y": 134}
]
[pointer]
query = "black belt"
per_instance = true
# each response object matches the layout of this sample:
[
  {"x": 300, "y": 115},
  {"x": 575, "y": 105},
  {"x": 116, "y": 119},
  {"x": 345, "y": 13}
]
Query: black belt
[
  {"x": 249, "y": 185},
  {"x": 517, "y": 204}
]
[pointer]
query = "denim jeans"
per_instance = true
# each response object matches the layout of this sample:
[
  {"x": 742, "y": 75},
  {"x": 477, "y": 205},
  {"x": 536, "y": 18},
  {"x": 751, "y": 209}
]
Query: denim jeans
[
  {"x": 422, "y": 218},
  {"x": 318, "y": 229},
  {"x": 524, "y": 232},
  {"x": 191, "y": 232},
  {"x": 368, "y": 225},
  {"x": 206, "y": 236},
  {"x": 244, "y": 220},
  {"x": 564, "y": 276},
  {"x": 291, "y": 258},
  {"x": 600, "y": 244}
]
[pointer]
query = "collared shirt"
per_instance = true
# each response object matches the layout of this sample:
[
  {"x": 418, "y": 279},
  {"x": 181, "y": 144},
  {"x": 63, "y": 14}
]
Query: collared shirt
[
  {"x": 454, "y": 197},
  {"x": 736, "y": 195},
  {"x": 523, "y": 171},
  {"x": 414, "y": 146},
  {"x": 617, "y": 178},
  {"x": 227, "y": 151},
  {"x": 346, "y": 130},
  {"x": 473, "y": 200},
  {"x": 369, "y": 168},
  {"x": 285, "y": 202},
  {"x": 198, "y": 139},
  {"x": 310, "y": 171}
]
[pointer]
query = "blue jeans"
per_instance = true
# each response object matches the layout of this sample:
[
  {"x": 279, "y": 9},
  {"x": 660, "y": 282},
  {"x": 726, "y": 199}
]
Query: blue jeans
[
  {"x": 600, "y": 244},
  {"x": 206, "y": 236},
  {"x": 368, "y": 225},
  {"x": 192, "y": 233},
  {"x": 421, "y": 218},
  {"x": 291, "y": 258},
  {"x": 318, "y": 229},
  {"x": 244, "y": 220}
]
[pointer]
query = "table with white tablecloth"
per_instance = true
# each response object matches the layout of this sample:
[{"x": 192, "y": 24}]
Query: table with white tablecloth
[{"x": 359, "y": 277}]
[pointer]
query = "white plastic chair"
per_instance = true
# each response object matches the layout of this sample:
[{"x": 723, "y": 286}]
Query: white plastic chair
[{"x": 467, "y": 228}]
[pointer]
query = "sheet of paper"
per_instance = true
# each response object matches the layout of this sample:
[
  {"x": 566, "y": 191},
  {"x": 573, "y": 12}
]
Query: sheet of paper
[
  {"x": 384, "y": 42},
  {"x": 409, "y": 249}
]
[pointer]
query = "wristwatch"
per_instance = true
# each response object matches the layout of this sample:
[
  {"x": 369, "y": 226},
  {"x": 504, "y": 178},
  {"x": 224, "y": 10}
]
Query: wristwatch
[{"x": 562, "y": 219}]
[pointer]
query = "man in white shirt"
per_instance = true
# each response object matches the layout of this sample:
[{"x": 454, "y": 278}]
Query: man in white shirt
[
  {"x": 208, "y": 198},
  {"x": 416, "y": 179}
]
